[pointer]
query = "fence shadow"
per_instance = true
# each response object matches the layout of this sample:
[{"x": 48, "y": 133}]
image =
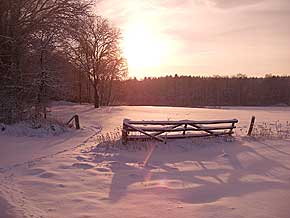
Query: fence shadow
[{"x": 195, "y": 174}]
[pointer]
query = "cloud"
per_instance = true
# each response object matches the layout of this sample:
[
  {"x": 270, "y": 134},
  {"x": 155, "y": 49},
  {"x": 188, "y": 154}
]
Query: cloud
[
  {"x": 225, "y": 4},
  {"x": 174, "y": 3},
  {"x": 208, "y": 32}
]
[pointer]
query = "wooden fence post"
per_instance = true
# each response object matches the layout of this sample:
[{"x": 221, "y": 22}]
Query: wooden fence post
[
  {"x": 185, "y": 126},
  {"x": 232, "y": 129},
  {"x": 124, "y": 132},
  {"x": 77, "y": 121},
  {"x": 251, "y": 125}
]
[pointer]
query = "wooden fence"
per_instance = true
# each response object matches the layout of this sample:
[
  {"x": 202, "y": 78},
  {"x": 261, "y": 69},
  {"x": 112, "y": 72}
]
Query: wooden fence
[{"x": 163, "y": 130}]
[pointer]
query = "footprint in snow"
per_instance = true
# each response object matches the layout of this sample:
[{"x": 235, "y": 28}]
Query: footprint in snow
[
  {"x": 81, "y": 158},
  {"x": 64, "y": 167},
  {"x": 224, "y": 155},
  {"x": 102, "y": 169},
  {"x": 84, "y": 166},
  {"x": 46, "y": 175},
  {"x": 34, "y": 172}
]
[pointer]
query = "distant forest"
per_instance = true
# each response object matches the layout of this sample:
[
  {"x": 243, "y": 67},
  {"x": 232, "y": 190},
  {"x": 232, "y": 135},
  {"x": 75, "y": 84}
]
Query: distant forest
[{"x": 194, "y": 91}]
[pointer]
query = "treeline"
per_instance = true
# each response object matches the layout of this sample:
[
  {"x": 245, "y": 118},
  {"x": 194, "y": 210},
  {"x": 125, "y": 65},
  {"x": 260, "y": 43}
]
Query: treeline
[
  {"x": 49, "y": 50},
  {"x": 189, "y": 91}
]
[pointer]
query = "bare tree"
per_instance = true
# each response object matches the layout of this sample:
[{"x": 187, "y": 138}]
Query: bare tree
[
  {"x": 22, "y": 24},
  {"x": 116, "y": 69},
  {"x": 93, "y": 48}
]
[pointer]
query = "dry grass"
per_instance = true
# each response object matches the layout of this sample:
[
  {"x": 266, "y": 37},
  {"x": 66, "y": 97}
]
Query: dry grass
[
  {"x": 111, "y": 141},
  {"x": 275, "y": 130}
]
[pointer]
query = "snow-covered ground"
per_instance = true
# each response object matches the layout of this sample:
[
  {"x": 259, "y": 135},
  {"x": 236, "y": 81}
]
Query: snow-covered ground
[{"x": 67, "y": 175}]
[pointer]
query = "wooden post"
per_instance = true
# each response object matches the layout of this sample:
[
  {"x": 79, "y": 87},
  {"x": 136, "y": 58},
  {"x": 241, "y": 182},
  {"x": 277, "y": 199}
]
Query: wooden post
[
  {"x": 232, "y": 129},
  {"x": 185, "y": 126},
  {"x": 77, "y": 121},
  {"x": 251, "y": 125},
  {"x": 124, "y": 132}
]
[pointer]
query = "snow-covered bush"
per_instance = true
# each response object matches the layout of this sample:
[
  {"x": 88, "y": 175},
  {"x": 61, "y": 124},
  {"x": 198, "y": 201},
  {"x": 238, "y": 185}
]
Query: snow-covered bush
[{"x": 35, "y": 128}]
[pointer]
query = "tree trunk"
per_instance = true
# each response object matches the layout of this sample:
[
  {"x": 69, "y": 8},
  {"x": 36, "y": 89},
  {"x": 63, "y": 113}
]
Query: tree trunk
[
  {"x": 96, "y": 98},
  {"x": 101, "y": 94},
  {"x": 40, "y": 95},
  {"x": 110, "y": 92},
  {"x": 80, "y": 87},
  {"x": 96, "y": 94}
]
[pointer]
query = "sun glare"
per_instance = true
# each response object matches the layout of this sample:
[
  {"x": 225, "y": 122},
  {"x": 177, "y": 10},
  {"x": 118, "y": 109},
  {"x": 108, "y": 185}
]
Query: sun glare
[{"x": 143, "y": 48}]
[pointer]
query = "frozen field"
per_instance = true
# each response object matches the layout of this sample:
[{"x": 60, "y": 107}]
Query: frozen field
[{"x": 69, "y": 176}]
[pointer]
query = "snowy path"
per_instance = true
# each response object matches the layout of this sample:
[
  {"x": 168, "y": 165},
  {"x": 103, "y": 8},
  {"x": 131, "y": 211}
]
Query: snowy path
[{"x": 65, "y": 177}]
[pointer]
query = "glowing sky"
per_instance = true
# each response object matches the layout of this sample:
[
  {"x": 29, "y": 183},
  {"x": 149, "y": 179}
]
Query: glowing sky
[{"x": 204, "y": 37}]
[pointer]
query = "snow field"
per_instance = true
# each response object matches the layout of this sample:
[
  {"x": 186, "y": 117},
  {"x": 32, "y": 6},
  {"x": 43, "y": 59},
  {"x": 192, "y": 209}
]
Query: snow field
[{"x": 69, "y": 176}]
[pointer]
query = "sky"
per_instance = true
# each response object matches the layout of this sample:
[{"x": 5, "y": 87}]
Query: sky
[{"x": 202, "y": 37}]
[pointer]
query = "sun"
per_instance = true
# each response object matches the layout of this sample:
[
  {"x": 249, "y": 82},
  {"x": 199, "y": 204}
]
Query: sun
[{"x": 143, "y": 48}]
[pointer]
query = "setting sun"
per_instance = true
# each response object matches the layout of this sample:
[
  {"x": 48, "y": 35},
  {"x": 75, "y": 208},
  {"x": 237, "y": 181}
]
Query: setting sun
[{"x": 143, "y": 48}]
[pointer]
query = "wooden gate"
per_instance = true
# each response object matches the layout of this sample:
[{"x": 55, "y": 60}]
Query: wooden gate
[{"x": 163, "y": 130}]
